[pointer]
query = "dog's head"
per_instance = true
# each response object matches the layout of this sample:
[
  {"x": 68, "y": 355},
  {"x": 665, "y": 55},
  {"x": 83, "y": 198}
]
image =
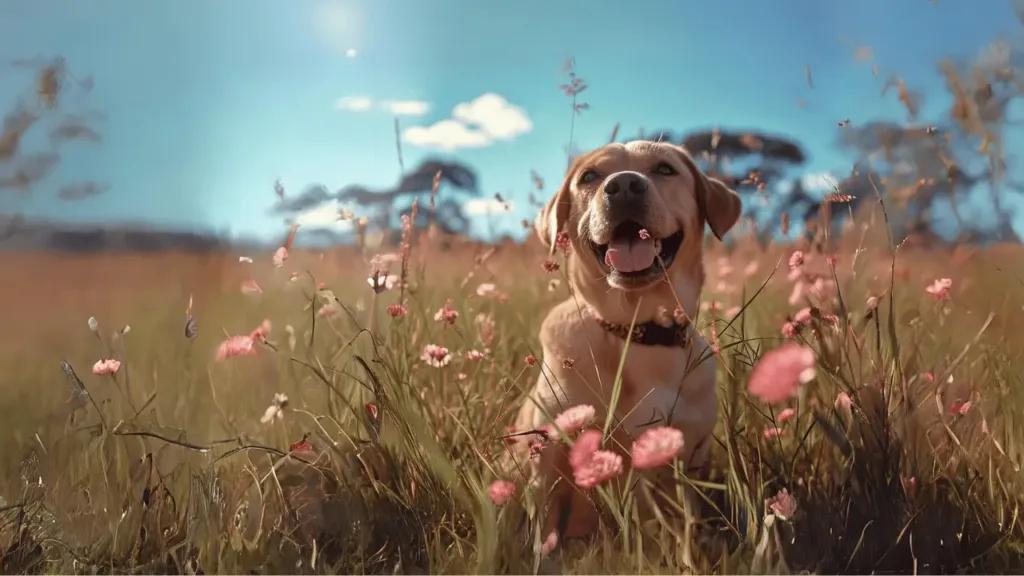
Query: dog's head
[{"x": 634, "y": 212}]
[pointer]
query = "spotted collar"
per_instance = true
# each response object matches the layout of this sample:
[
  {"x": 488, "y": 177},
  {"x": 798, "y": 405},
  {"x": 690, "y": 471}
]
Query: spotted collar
[{"x": 649, "y": 333}]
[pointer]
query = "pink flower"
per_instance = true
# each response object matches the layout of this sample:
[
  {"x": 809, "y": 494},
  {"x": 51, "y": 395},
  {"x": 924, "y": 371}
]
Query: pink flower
[
  {"x": 474, "y": 355},
  {"x": 959, "y": 408},
  {"x": 844, "y": 406},
  {"x": 501, "y": 491},
  {"x": 486, "y": 289},
  {"x": 447, "y": 314},
  {"x": 584, "y": 447},
  {"x": 656, "y": 447},
  {"x": 803, "y": 316},
  {"x": 939, "y": 289},
  {"x": 780, "y": 373},
  {"x": 871, "y": 305},
  {"x": 598, "y": 469},
  {"x": 772, "y": 432},
  {"x": 280, "y": 256},
  {"x": 574, "y": 419},
  {"x": 104, "y": 367},
  {"x": 796, "y": 260},
  {"x": 261, "y": 331},
  {"x": 782, "y": 504},
  {"x": 798, "y": 292},
  {"x": 436, "y": 356},
  {"x": 785, "y": 415},
  {"x": 531, "y": 360},
  {"x": 236, "y": 346},
  {"x": 789, "y": 330}
]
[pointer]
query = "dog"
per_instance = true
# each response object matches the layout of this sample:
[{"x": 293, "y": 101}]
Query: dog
[{"x": 632, "y": 218}]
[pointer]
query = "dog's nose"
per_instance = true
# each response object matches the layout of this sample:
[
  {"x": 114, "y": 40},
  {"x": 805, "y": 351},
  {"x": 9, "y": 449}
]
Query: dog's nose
[{"x": 625, "y": 185}]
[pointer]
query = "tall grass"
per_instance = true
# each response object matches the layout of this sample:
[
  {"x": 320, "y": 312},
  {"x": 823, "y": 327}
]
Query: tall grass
[{"x": 168, "y": 467}]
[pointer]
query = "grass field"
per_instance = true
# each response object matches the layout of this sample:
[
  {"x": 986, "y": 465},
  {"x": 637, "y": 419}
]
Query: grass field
[{"x": 165, "y": 465}]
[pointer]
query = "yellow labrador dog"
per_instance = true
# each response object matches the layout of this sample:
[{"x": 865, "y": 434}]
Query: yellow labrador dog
[{"x": 634, "y": 216}]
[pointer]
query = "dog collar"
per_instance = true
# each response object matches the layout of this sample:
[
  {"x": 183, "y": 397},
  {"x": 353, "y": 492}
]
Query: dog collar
[{"x": 649, "y": 333}]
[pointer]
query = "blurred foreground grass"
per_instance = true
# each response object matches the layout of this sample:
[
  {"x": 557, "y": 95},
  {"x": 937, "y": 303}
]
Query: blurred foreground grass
[{"x": 168, "y": 467}]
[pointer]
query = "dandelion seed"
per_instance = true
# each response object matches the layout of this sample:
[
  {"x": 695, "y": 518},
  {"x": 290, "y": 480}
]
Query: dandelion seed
[
  {"x": 329, "y": 310},
  {"x": 501, "y": 491},
  {"x": 553, "y": 284},
  {"x": 94, "y": 325},
  {"x": 244, "y": 260},
  {"x": 106, "y": 367},
  {"x": 436, "y": 356},
  {"x": 598, "y": 469},
  {"x": 656, "y": 447},
  {"x": 275, "y": 410},
  {"x": 486, "y": 289},
  {"x": 781, "y": 372}
]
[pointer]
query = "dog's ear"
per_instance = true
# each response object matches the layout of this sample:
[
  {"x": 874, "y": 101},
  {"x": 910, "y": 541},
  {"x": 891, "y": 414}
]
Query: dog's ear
[
  {"x": 719, "y": 205},
  {"x": 553, "y": 217}
]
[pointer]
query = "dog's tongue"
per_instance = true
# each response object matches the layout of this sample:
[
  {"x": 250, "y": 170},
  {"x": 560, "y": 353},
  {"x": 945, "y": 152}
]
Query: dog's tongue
[{"x": 630, "y": 255}]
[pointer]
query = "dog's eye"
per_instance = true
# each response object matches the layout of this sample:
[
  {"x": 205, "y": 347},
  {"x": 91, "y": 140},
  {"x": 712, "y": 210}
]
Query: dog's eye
[
  {"x": 665, "y": 169},
  {"x": 588, "y": 176}
]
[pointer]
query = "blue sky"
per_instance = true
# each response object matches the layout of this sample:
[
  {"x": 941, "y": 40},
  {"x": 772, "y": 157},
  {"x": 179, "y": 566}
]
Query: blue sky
[{"x": 208, "y": 102}]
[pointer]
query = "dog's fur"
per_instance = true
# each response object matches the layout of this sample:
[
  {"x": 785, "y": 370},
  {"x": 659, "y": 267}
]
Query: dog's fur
[{"x": 658, "y": 382}]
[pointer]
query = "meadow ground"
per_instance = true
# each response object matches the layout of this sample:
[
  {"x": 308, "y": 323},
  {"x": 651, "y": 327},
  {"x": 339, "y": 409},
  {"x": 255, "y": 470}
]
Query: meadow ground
[{"x": 165, "y": 465}]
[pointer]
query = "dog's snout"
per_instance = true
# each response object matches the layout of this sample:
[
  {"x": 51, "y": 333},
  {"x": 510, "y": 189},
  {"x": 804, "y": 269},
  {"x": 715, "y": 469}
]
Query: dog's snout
[{"x": 625, "y": 185}]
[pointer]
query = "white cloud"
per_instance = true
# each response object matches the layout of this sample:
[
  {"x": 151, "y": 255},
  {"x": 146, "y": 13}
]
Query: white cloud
[
  {"x": 819, "y": 182},
  {"x": 325, "y": 216},
  {"x": 446, "y": 135},
  {"x": 475, "y": 124},
  {"x": 486, "y": 206},
  {"x": 354, "y": 103},
  {"x": 351, "y": 53},
  {"x": 495, "y": 116},
  {"x": 406, "y": 107}
]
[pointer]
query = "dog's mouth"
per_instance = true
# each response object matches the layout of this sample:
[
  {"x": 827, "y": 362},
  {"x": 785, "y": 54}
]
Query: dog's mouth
[{"x": 634, "y": 253}]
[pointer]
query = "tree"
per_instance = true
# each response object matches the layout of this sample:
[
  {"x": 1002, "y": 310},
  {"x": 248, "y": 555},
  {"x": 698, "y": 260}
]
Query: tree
[
  {"x": 418, "y": 184},
  {"x": 923, "y": 167}
]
